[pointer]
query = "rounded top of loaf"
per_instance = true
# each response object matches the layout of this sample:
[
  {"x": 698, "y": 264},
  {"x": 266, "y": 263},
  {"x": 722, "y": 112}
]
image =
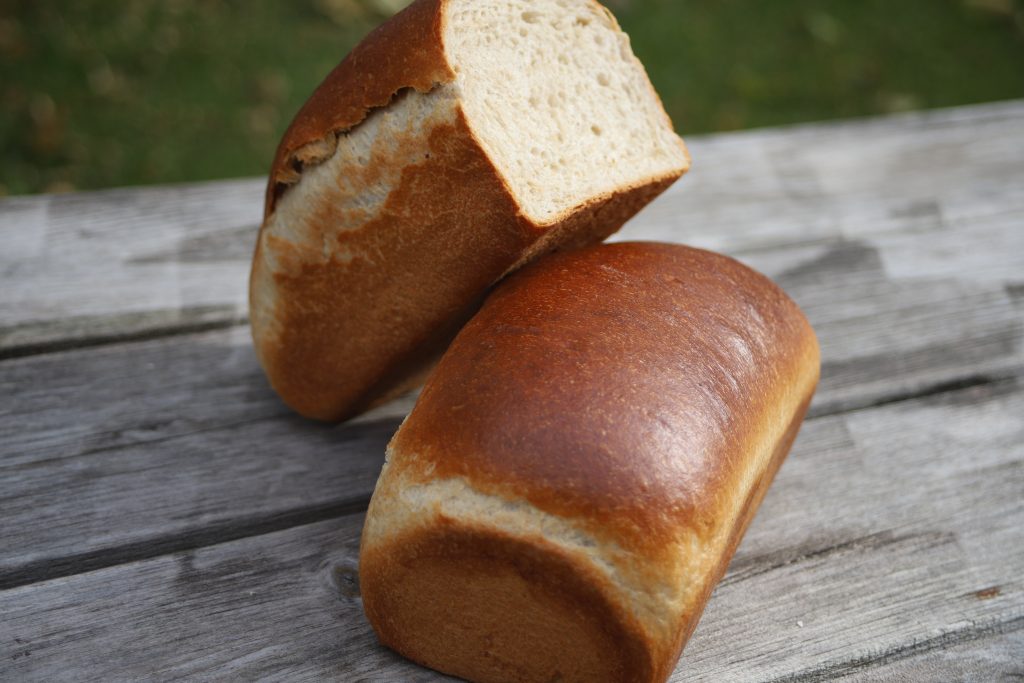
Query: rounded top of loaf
[{"x": 622, "y": 386}]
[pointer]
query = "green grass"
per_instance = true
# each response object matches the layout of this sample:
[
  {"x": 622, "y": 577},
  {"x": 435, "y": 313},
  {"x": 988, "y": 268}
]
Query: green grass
[{"x": 100, "y": 93}]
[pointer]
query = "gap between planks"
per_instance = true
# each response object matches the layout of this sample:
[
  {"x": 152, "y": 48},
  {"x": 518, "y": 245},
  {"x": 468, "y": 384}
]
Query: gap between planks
[
  {"x": 50, "y": 568},
  {"x": 178, "y": 255},
  {"x": 831, "y": 671},
  {"x": 914, "y": 578},
  {"x": 190, "y": 539},
  {"x": 194, "y": 413},
  {"x": 119, "y": 336}
]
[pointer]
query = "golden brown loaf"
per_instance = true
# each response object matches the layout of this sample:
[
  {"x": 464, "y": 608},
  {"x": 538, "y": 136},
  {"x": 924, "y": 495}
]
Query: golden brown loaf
[
  {"x": 582, "y": 464},
  {"x": 458, "y": 141}
]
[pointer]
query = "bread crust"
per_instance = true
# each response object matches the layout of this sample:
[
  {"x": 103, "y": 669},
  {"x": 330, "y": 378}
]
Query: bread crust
[
  {"x": 643, "y": 394},
  {"x": 566, "y": 626},
  {"x": 405, "y": 52},
  {"x": 339, "y": 334}
]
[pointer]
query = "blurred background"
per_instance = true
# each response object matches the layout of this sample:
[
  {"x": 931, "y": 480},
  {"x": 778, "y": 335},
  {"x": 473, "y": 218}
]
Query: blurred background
[{"x": 101, "y": 93}]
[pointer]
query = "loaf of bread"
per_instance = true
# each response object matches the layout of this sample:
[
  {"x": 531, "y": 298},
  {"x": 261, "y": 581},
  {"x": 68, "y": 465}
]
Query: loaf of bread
[
  {"x": 582, "y": 464},
  {"x": 457, "y": 142}
]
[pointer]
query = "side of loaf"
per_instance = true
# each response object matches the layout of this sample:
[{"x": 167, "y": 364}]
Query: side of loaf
[
  {"x": 460, "y": 140},
  {"x": 582, "y": 464}
]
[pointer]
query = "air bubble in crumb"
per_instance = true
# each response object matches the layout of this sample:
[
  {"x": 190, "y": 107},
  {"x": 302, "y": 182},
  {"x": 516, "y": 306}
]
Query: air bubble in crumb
[
  {"x": 531, "y": 17},
  {"x": 603, "y": 79}
]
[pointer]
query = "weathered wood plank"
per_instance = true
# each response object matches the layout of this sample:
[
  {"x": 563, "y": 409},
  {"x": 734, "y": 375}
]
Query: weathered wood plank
[
  {"x": 991, "y": 658},
  {"x": 913, "y": 549},
  {"x": 880, "y": 336},
  {"x": 893, "y": 530},
  {"x": 121, "y": 430},
  {"x": 893, "y": 321},
  {"x": 104, "y": 266},
  {"x": 916, "y": 173},
  {"x": 119, "y": 453},
  {"x": 900, "y": 237},
  {"x": 73, "y": 404}
]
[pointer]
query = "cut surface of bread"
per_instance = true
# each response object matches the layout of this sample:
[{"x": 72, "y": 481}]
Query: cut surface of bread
[
  {"x": 554, "y": 94},
  {"x": 459, "y": 141},
  {"x": 603, "y": 429}
]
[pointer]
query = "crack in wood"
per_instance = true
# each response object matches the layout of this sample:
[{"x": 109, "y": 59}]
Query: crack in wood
[
  {"x": 192, "y": 539},
  {"x": 880, "y": 245},
  {"x": 215, "y": 534},
  {"x": 833, "y": 670},
  {"x": 90, "y": 340},
  {"x": 763, "y": 564},
  {"x": 282, "y": 414},
  {"x": 998, "y": 384}
]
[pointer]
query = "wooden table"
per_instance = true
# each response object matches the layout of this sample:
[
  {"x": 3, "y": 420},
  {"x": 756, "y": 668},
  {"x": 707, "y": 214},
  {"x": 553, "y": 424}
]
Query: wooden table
[{"x": 165, "y": 517}]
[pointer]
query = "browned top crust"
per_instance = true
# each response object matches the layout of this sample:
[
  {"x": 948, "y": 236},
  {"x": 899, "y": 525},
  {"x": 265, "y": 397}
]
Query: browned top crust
[
  {"x": 624, "y": 386},
  {"x": 398, "y": 54}
]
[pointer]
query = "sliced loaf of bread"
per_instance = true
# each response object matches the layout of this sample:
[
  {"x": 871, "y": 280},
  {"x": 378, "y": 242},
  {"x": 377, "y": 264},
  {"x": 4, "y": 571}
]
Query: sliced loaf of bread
[{"x": 458, "y": 141}]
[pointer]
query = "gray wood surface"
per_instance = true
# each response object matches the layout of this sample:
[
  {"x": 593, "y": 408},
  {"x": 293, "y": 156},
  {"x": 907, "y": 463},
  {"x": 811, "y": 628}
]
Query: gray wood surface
[
  {"x": 855, "y": 565},
  {"x": 123, "y": 264},
  {"x": 102, "y": 266},
  {"x": 193, "y": 413},
  {"x": 164, "y": 516},
  {"x": 993, "y": 657},
  {"x": 189, "y": 428}
]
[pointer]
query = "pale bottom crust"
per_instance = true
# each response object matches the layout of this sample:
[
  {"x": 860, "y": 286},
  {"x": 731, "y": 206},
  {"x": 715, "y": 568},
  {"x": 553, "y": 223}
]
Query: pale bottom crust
[
  {"x": 476, "y": 602},
  {"x": 488, "y": 607}
]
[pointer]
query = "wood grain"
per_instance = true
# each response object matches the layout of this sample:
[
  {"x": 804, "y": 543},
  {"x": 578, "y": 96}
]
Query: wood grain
[
  {"x": 896, "y": 565},
  {"x": 102, "y": 266},
  {"x": 890, "y": 532},
  {"x": 919, "y": 173},
  {"x": 122, "y": 430},
  {"x": 106, "y": 266},
  {"x": 164, "y": 516},
  {"x": 990, "y": 657},
  {"x": 119, "y": 453},
  {"x": 122, "y": 452}
]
